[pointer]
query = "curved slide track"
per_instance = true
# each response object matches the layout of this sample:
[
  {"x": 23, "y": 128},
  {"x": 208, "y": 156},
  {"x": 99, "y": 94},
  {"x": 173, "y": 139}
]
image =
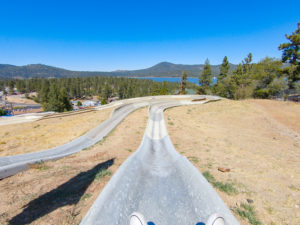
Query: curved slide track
[
  {"x": 10, "y": 165},
  {"x": 159, "y": 183},
  {"x": 155, "y": 181}
]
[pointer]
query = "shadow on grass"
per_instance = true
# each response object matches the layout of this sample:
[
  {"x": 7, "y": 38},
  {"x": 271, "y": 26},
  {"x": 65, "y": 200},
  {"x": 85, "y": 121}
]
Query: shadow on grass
[{"x": 68, "y": 193}]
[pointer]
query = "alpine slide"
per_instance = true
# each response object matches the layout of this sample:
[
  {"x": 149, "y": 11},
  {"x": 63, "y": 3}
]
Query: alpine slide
[{"x": 155, "y": 180}]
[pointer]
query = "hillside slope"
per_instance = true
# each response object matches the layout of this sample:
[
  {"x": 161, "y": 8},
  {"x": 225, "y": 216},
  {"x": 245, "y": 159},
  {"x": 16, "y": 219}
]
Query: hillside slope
[
  {"x": 258, "y": 140},
  {"x": 162, "y": 69}
]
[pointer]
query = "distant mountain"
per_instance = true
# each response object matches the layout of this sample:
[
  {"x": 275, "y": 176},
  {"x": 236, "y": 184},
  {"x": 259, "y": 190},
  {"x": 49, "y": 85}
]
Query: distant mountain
[
  {"x": 173, "y": 70},
  {"x": 163, "y": 69}
]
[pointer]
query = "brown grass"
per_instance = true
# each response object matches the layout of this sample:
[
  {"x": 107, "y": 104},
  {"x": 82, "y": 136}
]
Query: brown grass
[
  {"x": 258, "y": 140},
  {"x": 62, "y": 191},
  {"x": 45, "y": 134},
  {"x": 18, "y": 99}
]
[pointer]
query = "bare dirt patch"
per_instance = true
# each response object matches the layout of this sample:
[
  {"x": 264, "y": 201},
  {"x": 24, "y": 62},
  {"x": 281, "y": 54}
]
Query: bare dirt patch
[
  {"x": 19, "y": 99},
  {"x": 62, "y": 191},
  {"x": 258, "y": 140},
  {"x": 287, "y": 113},
  {"x": 45, "y": 134}
]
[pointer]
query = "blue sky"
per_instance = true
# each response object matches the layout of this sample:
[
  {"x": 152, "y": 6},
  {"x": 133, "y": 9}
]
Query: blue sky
[{"x": 109, "y": 35}]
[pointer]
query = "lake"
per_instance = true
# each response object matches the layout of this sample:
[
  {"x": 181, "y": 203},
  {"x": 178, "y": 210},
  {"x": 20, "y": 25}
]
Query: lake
[{"x": 194, "y": 80}]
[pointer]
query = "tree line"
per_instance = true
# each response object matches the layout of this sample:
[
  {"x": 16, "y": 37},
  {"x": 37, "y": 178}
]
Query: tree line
[
  {"x": 268, "y": 78},
  {"x": 54, "y": 93}
]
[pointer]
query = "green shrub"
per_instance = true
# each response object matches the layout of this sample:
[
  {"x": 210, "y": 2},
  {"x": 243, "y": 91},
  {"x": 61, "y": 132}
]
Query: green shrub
[
  {"x": 261, "y": 93},
  {"x": 2, "y": 112}
]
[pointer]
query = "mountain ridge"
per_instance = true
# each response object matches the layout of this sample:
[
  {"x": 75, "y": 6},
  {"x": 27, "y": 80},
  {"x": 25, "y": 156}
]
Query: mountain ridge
[{"x": 162, "y": 69}]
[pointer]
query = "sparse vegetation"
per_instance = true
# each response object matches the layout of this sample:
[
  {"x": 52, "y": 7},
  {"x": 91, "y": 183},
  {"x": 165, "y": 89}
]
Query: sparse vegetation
[
  {"x": 171, "y": 123},
  {"x": 294, "y": 188},
  {"x": 228, "y": 188},
  {"x": 41, "y": 166},
  {"x": 102, "y": 173},
  {"x": 193, "y": 159},
  {"x": 48, "y": 133},
  {"x": 247, "y": 211},
  {"x": 85, "y": 196}
]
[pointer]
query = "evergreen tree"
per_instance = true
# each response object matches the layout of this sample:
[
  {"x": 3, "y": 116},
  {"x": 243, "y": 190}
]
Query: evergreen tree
[
  {"x": 291, "y": 54},
  {"x": 239, "y": 85},
  {"x": 205, "y": 78},
  {"x": 52, "y": 103},
  {"x": 122, "y": 91},
  {"x": 43, "y": 93},
  {"x": 63, "y": 101},
  {"x": 264, "y": 74},
  {"x": 224, "y": 69},
  {"x": 106, "y": 91},
  {"x": 11, "y": 85},
  {"x": 246, "y": 64},
  {"x": 291, "y": 50},
  {"x": 220, "y": 87},
  {"x": 163, "y": 90},
  {"x": 183, "y": 82}
]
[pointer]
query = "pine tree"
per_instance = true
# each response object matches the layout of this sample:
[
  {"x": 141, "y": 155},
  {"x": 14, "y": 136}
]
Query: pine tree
[
  {"x": 183, "y": 82},
  {"x": 205, "y": 78},
  {"x": 240, "y": 84},
  {"x": 224, "y": 69},
  {"x": 106, "y": 91},
  {"x": 246, "y": 64},
  {"x": 43, "y": 94},
  {"x": 11, "y": 85},
  {"x": 291, "y": 50},
  {"x": 163, "y": 90},
  {"x": 52, "y": 103},
  {"x": 291, "y": 54},
  {"x": 63, "y": 100}
]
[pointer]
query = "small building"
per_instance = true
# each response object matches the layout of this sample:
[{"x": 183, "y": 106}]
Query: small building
[{"x": 89, "y": 103}]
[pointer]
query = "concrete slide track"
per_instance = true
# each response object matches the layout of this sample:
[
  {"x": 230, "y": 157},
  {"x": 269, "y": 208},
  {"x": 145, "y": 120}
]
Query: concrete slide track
[
  {"x": 155, "y": 181},
  {"x": 159, "y": 183},
  {"x": 10, "y": 165}
]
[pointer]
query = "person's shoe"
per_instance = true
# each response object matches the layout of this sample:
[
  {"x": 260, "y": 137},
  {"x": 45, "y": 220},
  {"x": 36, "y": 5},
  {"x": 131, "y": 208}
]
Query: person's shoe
[
  {"x": 215, "y": 219},
  {"x": 137, "y": 219}
]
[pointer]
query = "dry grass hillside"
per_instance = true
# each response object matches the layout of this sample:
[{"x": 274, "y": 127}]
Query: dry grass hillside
[
  {"x": 18, "y": 99},
  {"x": 259, "y": 141},
  {"x": 62, "y": 191},
  {"x": 48, "y": 133}
]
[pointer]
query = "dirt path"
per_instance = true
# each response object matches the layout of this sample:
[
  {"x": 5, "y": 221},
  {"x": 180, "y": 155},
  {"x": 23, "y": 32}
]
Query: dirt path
[
  {"x": 61, "y": 192},
  {"x": 258, "y": 146},
  {"x": 45, "y": 134}
]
